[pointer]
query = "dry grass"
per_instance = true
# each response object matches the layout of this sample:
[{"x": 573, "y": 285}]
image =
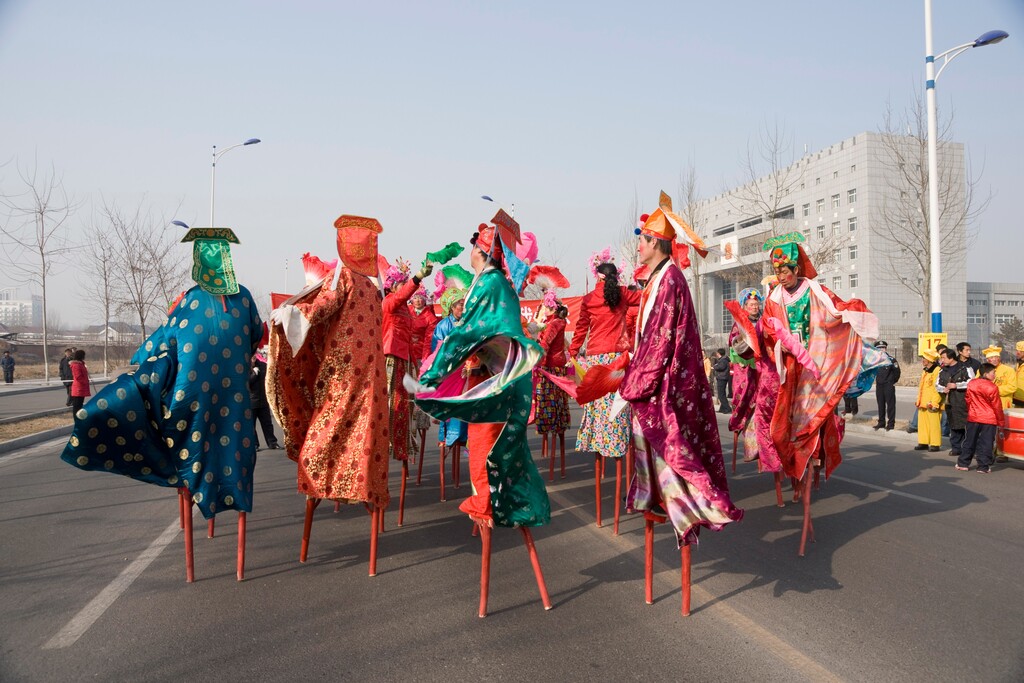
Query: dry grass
[{"x": 14, "y": 430}]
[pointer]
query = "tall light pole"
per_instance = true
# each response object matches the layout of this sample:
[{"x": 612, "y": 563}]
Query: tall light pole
[
  {"x": 213, "y": 170},
  {"x": 512, "y": 208},
  {"x": 934, "y": 233}
]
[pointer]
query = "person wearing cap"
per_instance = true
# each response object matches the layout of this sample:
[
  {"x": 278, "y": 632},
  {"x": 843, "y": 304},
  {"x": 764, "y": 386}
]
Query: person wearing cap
[
  {"x": 885, "y": 389},
  {"x": 326, "y": 379},
  {"x": 1005, "y": 377},
  {"x": 1018, "y": 396},
  {"x": 680, "y": 473},
  {"x": 821, "y": 341},
  {"x": 398, "y": 350},
  {"x": 184, "y": 417},
  {"x": 929, "y": 404}
]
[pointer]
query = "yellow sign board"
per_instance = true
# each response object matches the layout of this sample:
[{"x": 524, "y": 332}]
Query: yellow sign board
[{"x": 927, "y": 341}]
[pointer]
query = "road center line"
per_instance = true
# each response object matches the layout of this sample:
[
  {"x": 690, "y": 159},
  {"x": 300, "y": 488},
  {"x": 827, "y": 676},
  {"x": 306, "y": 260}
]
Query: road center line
[
  {"x": 882, "y": 488},
  {"x": 81, "y": 622}
]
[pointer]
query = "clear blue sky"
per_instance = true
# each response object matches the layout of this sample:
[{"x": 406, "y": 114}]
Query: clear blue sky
[{"x": 409, "y": 111}]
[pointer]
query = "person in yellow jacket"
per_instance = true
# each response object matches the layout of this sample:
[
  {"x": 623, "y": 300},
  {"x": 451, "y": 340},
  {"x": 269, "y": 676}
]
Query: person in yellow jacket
[
  {"x": 929, "y": 405},
  {"x": 1006, "y": 378},
  {"x": 1018, "y": 396}
]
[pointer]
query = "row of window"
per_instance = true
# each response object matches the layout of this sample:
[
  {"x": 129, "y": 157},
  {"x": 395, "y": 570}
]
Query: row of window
[
  {"x": 835, "y": 175},
  {"x": 982, "y": 319},
  {"x": 837, "y": 281},
  {"x": 819, "y": 206},
  {"x": 851, "y": 226},
  {"x": 1010, "y": 303}
]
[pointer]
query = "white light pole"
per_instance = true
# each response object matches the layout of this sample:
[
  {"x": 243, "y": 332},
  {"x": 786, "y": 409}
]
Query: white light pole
[
  {"x": 934, "y": 232},
  {"x": 512, "y": 207},
  {"x": 213, "y": 170}
]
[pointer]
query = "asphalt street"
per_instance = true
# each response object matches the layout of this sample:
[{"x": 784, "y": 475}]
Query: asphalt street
[{"x": 914, "y": 577}]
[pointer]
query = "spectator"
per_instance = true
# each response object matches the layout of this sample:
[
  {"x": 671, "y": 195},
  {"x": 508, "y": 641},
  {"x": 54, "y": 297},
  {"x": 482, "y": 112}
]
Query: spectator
[
  {"x": 912, "y": 425},
  {"x": 1018, "y": 396},
  {"x": 260, "y": 406},
  {"x": 952, "y": 383},
  {"x": 1006, "y": 378},
  {"x": 723, "y": 375},
  {"x": 7, "y": 363},
  {"x": 885, "y": 390},
  {"x": 984, "y": 416},
  {"x": 929, "y": 404},
  {"x": 79, "y": 380},
  {"x": 65, "y": 373},
  {"x": 963, "y": 350}
]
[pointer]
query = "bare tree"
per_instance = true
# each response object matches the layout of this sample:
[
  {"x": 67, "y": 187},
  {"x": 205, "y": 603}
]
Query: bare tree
[
  {"x": 36, "y": 228},
  {"x": 98, "y": 285},
  {"x": 693, "y": 211},
  {"x": 627, "y": 238},
  {"x": 902, "y": 224}
]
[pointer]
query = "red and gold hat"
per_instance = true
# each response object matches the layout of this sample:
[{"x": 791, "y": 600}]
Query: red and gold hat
[{"x": 357, "y": 243}]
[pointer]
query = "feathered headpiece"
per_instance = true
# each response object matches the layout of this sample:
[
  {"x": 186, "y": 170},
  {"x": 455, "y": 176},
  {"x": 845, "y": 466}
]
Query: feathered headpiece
[
  {"x": 551, "y": 300},
  {"x": 600, "y": 258},
  {"x": 750, "y": 293},
  {"x": 786, "y": 250},
  {"x": 396, "y": 274},
  {"x": 422, "y": 291}
]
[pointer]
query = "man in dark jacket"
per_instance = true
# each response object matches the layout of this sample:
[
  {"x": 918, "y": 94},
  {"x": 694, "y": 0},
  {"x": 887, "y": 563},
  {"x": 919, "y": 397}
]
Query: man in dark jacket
[
  {"x": 952, "y": 384},
  {"x": 723, "y": 377},
  {"x": 65, "y": 372},
  {"x": 885, "y": 389},
  {"x": 260, "y": 407}
]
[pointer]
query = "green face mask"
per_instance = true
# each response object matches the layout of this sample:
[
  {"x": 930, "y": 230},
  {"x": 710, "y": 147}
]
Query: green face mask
[{"x": 212, "y": 268}]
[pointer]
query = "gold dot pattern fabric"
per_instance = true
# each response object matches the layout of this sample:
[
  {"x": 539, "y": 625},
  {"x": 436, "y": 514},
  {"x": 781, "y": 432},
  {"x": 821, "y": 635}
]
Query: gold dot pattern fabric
[{"x": 160, "y": 424}]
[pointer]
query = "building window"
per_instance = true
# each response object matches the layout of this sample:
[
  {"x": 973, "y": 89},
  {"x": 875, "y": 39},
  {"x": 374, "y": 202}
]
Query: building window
[
  {"x": 807, "y": 209},
  {"x": 853, "y": 168},
  {"x": 853, "y": 252},
  {"x": 821, "y": 281},
  {"x": 1002, "y": 318},
  {"x": 835, "y": 174},
  {"x": 835, "y": 201},
  {"x": 836, "y": 256},
  {"x": 835, "y": 228},
  {"x": 976, "y": 319},
  {"x": 821, "y": 232},
  {"x": 852, "y": 223},
  {"x": 817, "y": 181},
  {"x": 854, "y": 280},
  {"x": 904, "y": 316},
  {"x": 837, "y": 282},
  {"x": 820, "y": 205},
  {"x": 851, "y": 196},
  {"x": 1000, "y": 302},
  {"x": 728, "y": 293}
]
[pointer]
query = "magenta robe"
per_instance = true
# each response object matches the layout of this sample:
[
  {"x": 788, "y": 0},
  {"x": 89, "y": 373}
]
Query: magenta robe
[{"x": 679, "y": 469}]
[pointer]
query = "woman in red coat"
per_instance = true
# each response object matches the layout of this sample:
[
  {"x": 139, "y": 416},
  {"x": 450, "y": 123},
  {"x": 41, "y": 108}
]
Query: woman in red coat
[
  {"x": 552, "y": 402},
  {"x": 79, "y": 381},
  {"x": 601, "y": 336}
]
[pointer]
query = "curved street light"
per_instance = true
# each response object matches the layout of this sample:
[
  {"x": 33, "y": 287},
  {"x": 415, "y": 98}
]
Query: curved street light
[
  {"x": 512, "y": 207},
  {"x": 213, "y": 170},
  {"x": 934, "y": 236}
]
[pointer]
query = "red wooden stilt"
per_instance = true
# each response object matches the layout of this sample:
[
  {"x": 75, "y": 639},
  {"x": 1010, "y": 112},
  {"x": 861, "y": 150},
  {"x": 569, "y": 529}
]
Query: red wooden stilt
[
  {"x": 375, "y": 515},
  {"x": 778, "y": 489},
  {"x": 401, "y": 492},
  {"x": 444, "y": 454},
  {"x": 735, "y": 447},
  {"x": 209, "y": 528},
  {"x": 337, "y": 506},
  {"x": 817, "y": 474},
  {"x": 240, "y": 571},
  {"x": 457, "y": 464},
  {"x": 485, "y": 568},
  {"x": 307, "y": 527},
  {"x": 603, "y": 473},
  {"x": 597, "y": 486},
  {"x": 476, "y": 530},
  {"x": 551, "y": 455},
  {"x": 380, "y": 520},
  {"x": 807, "y": 511},
  {"x": 423, "y": 446},
  {"x": 561, "y": 449},
  {"x": 535, "y": 561},
  {"x": 630, "y": 464},
  {"x": 649, "y": 561},
  {"x": 543, "y": 446},
  {"x": 618, "y": 493},
  {"x": 190, "y": 572},
  {"x": 686, "y": 580}
]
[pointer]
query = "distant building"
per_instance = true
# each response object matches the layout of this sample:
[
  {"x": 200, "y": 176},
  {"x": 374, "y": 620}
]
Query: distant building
[
  {"x": 116, "y": 333},
  {"x": 989, "y": 305},
  {"x": 15, "y": 312},
  {"x": 835, "y": 196}
]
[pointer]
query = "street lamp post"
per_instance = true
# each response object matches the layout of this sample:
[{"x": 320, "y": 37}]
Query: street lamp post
[
  {"x": 213, "y": 170},
  {"x": 512, "y": 207},
  {"x": 934, "y": 233}
]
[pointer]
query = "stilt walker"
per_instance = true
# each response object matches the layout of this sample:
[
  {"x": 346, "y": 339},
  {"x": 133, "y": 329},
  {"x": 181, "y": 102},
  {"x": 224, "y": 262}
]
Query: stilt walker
[
  {"x": 326, "y": 384},
  {"x": 551, "y": 403},
  {"x": 453, "y": 282},
  {"x": 508, "y": 490},
  {"x": 183, "y": 419}
]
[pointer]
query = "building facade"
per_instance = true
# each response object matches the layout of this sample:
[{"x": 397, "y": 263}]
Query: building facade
[
  {"x": 839, "y": 198},
  {"x": 989, "y": 305},
  {"x": 15, "y": 312}
]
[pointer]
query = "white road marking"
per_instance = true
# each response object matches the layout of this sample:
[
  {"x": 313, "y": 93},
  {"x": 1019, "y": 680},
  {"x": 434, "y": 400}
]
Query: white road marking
[
  {"x": 882, "y": 488},
  {"x": 81, "y": 622}
]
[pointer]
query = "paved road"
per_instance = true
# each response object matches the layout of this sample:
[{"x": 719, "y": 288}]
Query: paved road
[
  {"x": 915, "y": 577},
  {"x": 26, "y": 398}
]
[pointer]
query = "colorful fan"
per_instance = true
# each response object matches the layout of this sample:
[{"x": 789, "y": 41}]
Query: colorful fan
[
  {"x": 547, "y": 277},
  {"x": 746, "y": 327},
  {"x": 444, "y": 255},
  {"x": 458, "y": 276},
  {"x": 602, "y": 380},
  {"x": 316, "y": 269}
]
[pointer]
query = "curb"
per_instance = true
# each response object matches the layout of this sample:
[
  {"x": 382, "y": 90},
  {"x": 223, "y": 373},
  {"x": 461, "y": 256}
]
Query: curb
[
  {"x": 48, "y": 387},
  {"x": 33, "y": 439},
  {"x": 31, "y": 416},
  {"x": 899, "y": 434}
]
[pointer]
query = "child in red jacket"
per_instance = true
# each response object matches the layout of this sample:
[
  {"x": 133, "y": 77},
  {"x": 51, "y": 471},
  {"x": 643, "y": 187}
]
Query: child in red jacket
[
  {"x": 984, "y": 416},
  {"x": 79, "y": 381}
]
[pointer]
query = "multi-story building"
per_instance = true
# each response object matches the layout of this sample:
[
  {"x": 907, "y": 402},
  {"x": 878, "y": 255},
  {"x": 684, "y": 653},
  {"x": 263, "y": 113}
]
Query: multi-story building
[
  {"x": 838, "y": 198},
  {"x": 15, "y": 312},
  {"x": 989, "y": 305}
]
